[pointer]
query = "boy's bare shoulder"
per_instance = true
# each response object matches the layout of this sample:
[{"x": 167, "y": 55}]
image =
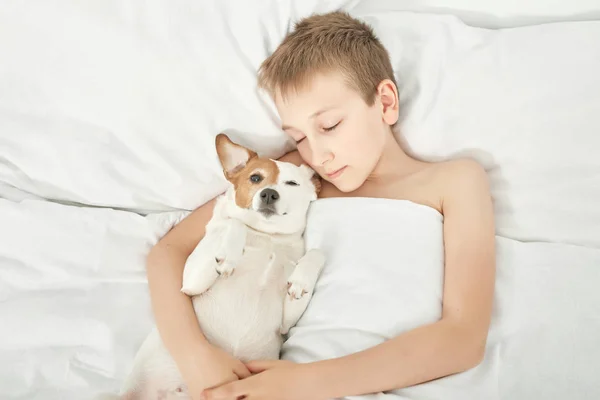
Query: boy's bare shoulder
[
  {"x": 438, "y": 182},
  {"x": 459, "y": 169},
  {"x": 462, "y": 180}
]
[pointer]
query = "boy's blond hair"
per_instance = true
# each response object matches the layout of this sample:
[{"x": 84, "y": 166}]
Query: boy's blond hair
[{"x": 324, "y": 43}]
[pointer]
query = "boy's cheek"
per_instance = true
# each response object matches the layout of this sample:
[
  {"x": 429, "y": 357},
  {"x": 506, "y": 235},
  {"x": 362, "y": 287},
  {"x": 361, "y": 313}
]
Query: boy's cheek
[{"x": 305, "y": 153}]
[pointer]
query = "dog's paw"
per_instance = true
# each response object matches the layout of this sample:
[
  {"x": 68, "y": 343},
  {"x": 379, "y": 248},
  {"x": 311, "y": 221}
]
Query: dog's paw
[
  {"x": 230, "y": 251},
  {"x": 296, "y": 290},
  {"x": 178, "y": 393},
  {"x": 225, "y": 267},
  {"x": 298, "y": 286},
  {"x": 306, "y": 273},
  {"x": 228, "y": 259},
  {"x": 198, "y": 276}
]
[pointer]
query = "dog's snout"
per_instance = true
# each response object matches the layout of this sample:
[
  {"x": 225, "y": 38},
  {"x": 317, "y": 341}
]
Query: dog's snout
[{"x": 269, "y": 196}]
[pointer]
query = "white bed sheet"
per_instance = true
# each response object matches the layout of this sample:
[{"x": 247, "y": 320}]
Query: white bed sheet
[
  {"x": 74, "y": 306},
  {"x": 73, "y": 296}
]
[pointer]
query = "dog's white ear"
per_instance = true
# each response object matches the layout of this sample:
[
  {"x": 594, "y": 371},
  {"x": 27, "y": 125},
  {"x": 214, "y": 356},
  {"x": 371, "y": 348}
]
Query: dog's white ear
[
  {"x": 308, "y": 171},
  {"x": 314, "y": 178},
  {"x": 233, "y": 157}
]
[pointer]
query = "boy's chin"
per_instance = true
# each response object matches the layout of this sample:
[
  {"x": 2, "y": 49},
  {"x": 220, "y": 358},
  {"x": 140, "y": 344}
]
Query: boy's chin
[{"x": 347, "y": 185}]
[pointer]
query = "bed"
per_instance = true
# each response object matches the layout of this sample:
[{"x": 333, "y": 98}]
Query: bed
[{"x": 108, "y": 113}]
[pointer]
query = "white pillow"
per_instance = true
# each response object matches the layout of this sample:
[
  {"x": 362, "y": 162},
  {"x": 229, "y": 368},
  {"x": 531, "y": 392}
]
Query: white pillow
[
  {"x": 493, "y": 13},
  {"x": 120, "y": 106},
  {"x": 117, "y": 104},
  {"x": 524, "y": 102}
]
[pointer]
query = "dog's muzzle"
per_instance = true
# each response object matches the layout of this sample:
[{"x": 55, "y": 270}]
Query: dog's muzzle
[
  {"x": 268, "y": 199},
  {"x": 269, "y": 196}
]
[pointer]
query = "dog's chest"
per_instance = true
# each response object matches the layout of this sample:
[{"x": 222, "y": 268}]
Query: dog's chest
[
  {"x": 243, "y": 313},
  {"x": 268, "y": 259}
]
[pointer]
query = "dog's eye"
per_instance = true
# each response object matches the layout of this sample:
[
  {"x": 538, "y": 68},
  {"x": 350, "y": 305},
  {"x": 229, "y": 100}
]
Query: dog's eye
[
  {"x": 291, "y": 183},
  {"x": 255, "y": 178}
]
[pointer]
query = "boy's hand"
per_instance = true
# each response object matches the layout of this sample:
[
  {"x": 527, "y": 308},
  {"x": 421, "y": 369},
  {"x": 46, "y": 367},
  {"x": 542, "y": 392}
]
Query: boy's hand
[
  {"x": 273, "y": 380},
  {"x": 223, "y": 368}
]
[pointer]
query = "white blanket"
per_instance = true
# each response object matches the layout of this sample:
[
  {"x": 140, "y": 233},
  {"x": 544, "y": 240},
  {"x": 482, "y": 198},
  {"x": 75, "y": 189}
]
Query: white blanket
[
  {"x": 384, "y": 275},
  {"x": 74, "y": 306}
]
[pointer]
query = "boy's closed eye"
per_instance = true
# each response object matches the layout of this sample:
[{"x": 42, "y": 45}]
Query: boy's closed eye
[
  {"x": 332, "y": 127},
  {"x": 296, "y": 136},
  {"x": 300, "y": 140}
]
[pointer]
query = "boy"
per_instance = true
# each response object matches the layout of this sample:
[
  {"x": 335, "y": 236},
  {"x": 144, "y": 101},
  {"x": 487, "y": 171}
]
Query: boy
[{"x": 333, "y": 86}]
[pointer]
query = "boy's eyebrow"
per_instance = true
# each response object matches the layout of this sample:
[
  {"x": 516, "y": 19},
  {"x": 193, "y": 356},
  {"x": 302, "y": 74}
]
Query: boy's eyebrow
[
  {"x": 313, "y": 115},
  {"x": 321, "y": 111}
]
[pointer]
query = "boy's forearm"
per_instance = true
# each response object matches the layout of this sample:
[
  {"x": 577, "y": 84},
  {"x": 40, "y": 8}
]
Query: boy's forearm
[
  {"x": 179, "y": 330},
  {"x": 417, "y": 356}
]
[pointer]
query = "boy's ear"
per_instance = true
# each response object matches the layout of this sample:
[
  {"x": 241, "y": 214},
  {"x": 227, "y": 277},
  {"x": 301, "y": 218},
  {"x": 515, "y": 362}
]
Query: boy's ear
[
  {"x": 232, "y": 156},
  {"x": 388, "y": 96}
]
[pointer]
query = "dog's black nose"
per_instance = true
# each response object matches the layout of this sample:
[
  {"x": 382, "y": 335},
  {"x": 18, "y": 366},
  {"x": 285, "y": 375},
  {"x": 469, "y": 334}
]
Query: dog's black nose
[{"x": 269, "y": 196}]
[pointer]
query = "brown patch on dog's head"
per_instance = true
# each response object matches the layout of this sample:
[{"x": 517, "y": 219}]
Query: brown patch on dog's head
[
  {"x": 245, "y": 170},
  {"x": 258, "y": 173}
]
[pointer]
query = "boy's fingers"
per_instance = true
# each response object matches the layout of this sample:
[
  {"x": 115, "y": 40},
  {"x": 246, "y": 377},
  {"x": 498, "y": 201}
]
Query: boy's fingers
[
  {"x": 242, "y": 371},
  {"x": 258, "y": 366},
  {"x": 262, "y": 365},
  {"x": 228, "y": 391}
]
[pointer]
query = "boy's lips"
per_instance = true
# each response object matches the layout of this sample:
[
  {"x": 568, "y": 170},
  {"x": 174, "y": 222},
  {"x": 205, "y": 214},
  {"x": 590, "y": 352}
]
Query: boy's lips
[{"x": 336, "y": 173}]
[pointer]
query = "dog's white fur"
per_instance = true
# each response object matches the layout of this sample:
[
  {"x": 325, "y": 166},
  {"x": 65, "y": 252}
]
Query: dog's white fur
[{"x": 249, "y": 277}]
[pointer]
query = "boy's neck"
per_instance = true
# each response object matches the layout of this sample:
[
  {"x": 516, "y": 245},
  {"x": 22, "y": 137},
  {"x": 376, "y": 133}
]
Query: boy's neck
[{"x": 394, "y": 163}]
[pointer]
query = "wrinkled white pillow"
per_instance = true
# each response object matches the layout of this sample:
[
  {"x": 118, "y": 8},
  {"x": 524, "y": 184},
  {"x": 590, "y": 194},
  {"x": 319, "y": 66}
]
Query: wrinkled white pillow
[
  {"x": 494, "y": 14},
  {"x": 117, "y": 103},
  {"x": 120, "y": 106},
  {"x": 524, "y": 102}
]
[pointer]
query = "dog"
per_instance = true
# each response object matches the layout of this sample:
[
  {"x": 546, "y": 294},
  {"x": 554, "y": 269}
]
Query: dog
[{"x": 250, "y": 278}]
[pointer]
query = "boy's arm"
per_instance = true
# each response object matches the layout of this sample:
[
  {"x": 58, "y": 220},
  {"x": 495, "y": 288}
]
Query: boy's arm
[
  {"x": 164, "y": 268},
  {"x": 456, "y": 342},
  {"x": 173, "y": 311}
]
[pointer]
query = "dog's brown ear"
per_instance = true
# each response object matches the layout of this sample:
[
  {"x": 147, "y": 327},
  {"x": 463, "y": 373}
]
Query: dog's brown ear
[
  {"x": 316, "y": 180},
  {"x": 232, "y": 156}
]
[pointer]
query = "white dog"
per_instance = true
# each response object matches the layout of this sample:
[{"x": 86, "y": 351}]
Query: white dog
[{"x": 249, "y": 276}]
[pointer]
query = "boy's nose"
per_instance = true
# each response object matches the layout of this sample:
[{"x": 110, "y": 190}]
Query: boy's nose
[
  {"x": 319, "y": 152},
  {"x": 321, "y": 157},
  {"x": 269, "y": 196}
]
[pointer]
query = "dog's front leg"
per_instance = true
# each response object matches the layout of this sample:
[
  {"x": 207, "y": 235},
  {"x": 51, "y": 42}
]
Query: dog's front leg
[
  {"x": 200, "y": 270},
  {"x": 218, "y": 253},
  {"x": 301, "y": 285},
  {"x": 231, "y": 249}
]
